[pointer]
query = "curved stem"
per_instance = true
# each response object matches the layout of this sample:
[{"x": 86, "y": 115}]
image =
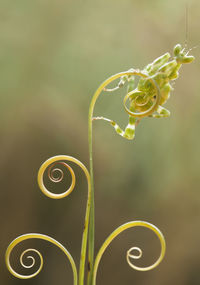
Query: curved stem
[
  {"x": 42, "y": 169},
  {"x": 91, "y": 110},
  {"x": 122, "y": 228},
  {"x": 36, "y": 236}
]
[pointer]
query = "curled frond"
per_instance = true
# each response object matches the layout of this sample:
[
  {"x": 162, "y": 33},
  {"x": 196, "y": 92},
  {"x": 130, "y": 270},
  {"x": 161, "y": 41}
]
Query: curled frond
[
  {"x": 130, "y": 253},
  {"x": 56, "y": 175},
  {"x": 128, "y": 73},
  {"x": 24, "y": 237},
  {"x": 145, "y": 100}
]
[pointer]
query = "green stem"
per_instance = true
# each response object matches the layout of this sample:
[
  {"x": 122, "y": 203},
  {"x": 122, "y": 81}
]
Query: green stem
[{"x": 90, "y": 116}]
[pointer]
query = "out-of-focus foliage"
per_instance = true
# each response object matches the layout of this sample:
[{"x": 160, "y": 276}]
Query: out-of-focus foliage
[{"x": 53, "y": 55}]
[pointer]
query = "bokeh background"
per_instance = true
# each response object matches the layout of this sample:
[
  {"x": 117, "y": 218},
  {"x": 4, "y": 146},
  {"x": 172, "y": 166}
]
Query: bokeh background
[{"x": 53, "y": 56}]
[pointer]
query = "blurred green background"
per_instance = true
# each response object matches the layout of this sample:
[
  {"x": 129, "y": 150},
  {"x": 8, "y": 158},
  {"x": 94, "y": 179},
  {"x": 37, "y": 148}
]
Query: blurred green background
[{"x": 53, "y": 56}]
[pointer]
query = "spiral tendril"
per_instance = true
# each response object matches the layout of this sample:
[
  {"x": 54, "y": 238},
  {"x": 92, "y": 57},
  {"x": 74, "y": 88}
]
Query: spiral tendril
[
  {"x": 140, "y": 104},
  {"x": 35, "y": 236},
  {"x": 49, "y": 164},
  {"x": 130, "y": 254},
  {"x": 29, "y": 257},
  {"x": 133, "y": 72},
  {"x": 134, "y": 256},
  {"x": 52, "y": 171},
  {"x": 152, "y": 108},
  {"x": 51, "y": 174}
]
